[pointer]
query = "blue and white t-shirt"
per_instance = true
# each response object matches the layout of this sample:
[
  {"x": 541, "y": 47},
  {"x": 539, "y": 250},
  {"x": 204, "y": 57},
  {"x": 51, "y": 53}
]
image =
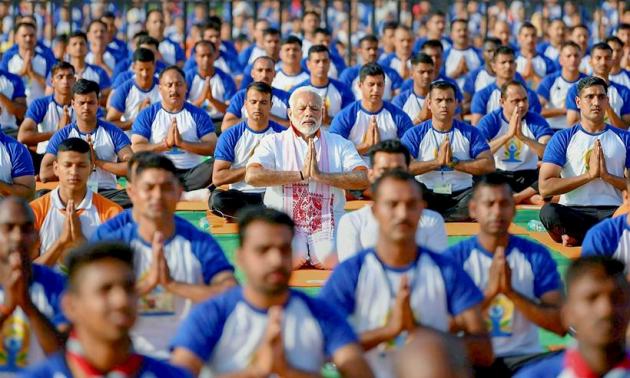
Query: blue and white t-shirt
[
  {"x": 56, "y": 366},
  {"x": 96, "y": 74},
  {"x": 237, "y": 144},
  {"x": 423, "y": 142},
  {"x": 459, "y": 96},
  {"x": 514, "y": 155},
  {"x": 618, "y": 98},
  {"x": 11, "y": 87},
  {"x": 46, "y": 113},
  {"x": 453, "y": 56},
  {"x": 250, "y": 54},
  {"x": 571, "y": 148},
  {"x": 15, "y": 160},
  {"x": 13, "y": 63},
  {"x": 554, "y": 89},
  {"x": 107, "y": 140},
  {"x": 109, "y": 58},
  {"x": 549, "y": 51},
  {"x": 487, "y": 100},
  {"x": 611, "y": 238},
  {"x": 286, "y": 82},
  {"x": 279, "y": 103},
  {"x": 622, "y": 78},
  {"x": 226, "y": 331},
  {"x": 193, "y": 123},
  {"x": 336, "y": 95},
  {"x": 393, "y": 81},
  {"x": 534, "y": 273},
  {"x": 20, "y": 347},
  {"x": 541, "y": 65},
  {"x": 364, "y": 290},
  {"x": 570, "y": 363},
  {"x": 446, "y": 43},
  {"x": 128, "y": 97},
  {"x": 222, "y": 87},
  {"x": 393, "y": 62},
  {"x": 477, "y": 80},
  {"x": 353, "y": 122},
  {"x": 410, "y": 102},
  {"x": 121, "y": 220},
  {"x": 171, "y": 51},
  {"x": 193, "y": 257}
]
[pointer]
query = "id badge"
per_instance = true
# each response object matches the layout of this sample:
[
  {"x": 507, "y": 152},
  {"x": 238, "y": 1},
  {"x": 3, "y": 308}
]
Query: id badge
[{"x": 443, "y": 188}]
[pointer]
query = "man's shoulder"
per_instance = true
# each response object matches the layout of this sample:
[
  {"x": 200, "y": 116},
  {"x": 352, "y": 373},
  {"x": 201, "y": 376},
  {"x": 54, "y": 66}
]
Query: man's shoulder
[
  {"x": 549, "y": 367},
  {"x": 163, "y": 369},
  {"x": 49, "y": 278}
]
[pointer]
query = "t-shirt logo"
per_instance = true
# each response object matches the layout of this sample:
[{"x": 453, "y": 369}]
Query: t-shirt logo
[
  {"x": 586, "y": 159},
  {"x": 512, "y": 152},
  {"x": 499, "y": 316},
  {"x": 16, "y": 341}
]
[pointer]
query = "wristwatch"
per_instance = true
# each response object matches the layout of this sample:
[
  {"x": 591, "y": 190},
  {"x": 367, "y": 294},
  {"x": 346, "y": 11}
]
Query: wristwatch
[{"x": 453, "y": 163}]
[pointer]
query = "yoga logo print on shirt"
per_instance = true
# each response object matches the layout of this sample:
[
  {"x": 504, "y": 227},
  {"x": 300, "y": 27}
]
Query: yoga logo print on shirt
[
  {"x": 16, "y": 341},
  {"x": 499, "y": 317},
  {"x": 512, "y": 152}
]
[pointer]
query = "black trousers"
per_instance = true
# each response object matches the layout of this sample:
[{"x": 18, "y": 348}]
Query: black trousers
[
  {"x": 453, "y": 207},
  {"x": 196, "y": 177},
  {"x": 506, "y": 367},
  {"x": 117, "y": 195},
  {"x": 520, "y": 180},
  {"x": 574, "y": 221},
  {"x": 37, "y": 160},
  {"x": 227, "y": 203}
]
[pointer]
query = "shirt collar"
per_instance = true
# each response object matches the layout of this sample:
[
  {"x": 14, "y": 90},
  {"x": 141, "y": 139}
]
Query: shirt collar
[
  {"x": 85, "y": 204},
  {"x": 576, "y": 363}
]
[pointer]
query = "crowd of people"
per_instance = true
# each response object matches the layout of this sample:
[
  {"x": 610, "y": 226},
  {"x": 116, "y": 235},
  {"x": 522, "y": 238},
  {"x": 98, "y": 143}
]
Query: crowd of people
[{"x": 428, "y": 123}]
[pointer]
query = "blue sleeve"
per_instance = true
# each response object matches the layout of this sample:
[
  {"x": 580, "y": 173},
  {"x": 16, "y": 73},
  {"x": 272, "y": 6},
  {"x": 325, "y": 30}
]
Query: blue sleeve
[
  {"x": 37, "y": 110},
  {"x": 236, "y": 104},
  {"x": 190, "y": 76},
  {"x": 347, "y": 76},
  {"x": 550, "y": 65},
  {"x": 201, "y": 329},
  {"x": 104, "y": 81},
  {"x": 534, "y": 102},
  {"x": 180, "y": 56},
  {"x": 226, "y": 143},
  {"x": 228, "y": 85},
  {"x": 120, "y": 67},
  {"x": 407, "y": 84},
  {"x": 403, "y": 123},
  {"x": 459, "y": 252},
  {"x": 190, "y": 64},
  {"x": 21, "y": 161},
  {"x": 400, "y": 99},
  {"x": 539, "y": 126},
  {"x": 339, "y": 290},
  {"x": 203, "y": 122},
  {"x": 243, "y": 57},
  {"x": 343, "y": 123},
  {"x": 548, "y": 367},
  {"x": 570, "y": 100},
  {"x": 395, "y": 77},
  {"x": 546, "y": 277},
  {"x": 211, "y": 257},
  {"x": 335, "y": 328},
  {"x": 411, "y": 140},
  {"x": 488, "y": 126},
  {"x": 461, "y": 291},
  {"x": 477, "y": 143},
  {"x": 602, "y": 239},
  {"x": 144, "y": 121},
  {"x": 469, "y": 83},
  {"x": 118, "y": 99},
  {"x": 56, "y": 139},
  {"x": 479, "y": 102},
  {"x": 120, "y": 139},
  {"x": 18, "y": 87},
  {"x": 4, "y": 63},
  {"x": 555, "y": 151},
  {"x": 347, "y": 97},
  {"x": 625, "y": 95},
  {"x": 544, "y": 88}
]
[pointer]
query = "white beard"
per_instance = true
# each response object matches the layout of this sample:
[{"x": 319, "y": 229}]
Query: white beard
[{"x": 308, "y": 131}]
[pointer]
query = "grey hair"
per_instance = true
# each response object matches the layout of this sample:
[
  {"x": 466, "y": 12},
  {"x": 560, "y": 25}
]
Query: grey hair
[{"x": 301, "y": 91}]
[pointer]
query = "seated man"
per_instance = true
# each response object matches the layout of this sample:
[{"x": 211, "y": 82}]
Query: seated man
[
  {"x": 76, "y": 51},
  {"x": 368, "y": 51},
  {"x": 358, "y": 229},
  {"x": 447, "y": 153},
  {"x": 553, "y": 88},
  {"x": 110, "y": 147},
  {"x": 99, "y": 54},
  {"x": 99, "y": 275},
  {"x": 12, "y": 102},
  {"x": 124, "y": 69},
  {"x": 335, "y": 94},
  {"x": 389, "y": 290},
  {"x": 135, "y": 94},
  {"x": 271, "y": 45},
  {"x": 209, "y": 88},
  {"x": 519, "y": 278},
  {"x": 617, "y": 73},
  {"x": 179, "y": 130},
  {"x": 517, "y": 139},
  {"x": 400, "y": 59},
  {"x": 480, "y": 77},
  {"x": 46, "y": 115},
  {"x": 31, "y": 294},
  {"x": 610, "y": 237},
  {"x": 598, "y": 308},
  {"x": 306, "y": 170},
  {"x": 462, "y": 57},
  {"x": 176, "y": 264},
  {"x": 68, "y": 215},
  {"x": 585, "y": 165},
  {"x": 289, "y": 333},
  {"x": 487, "y": 99},
  {"x": 235, "y": 147},
  {"x": 412, "y": 101},
  {"x": 17, "y": 176},
  {"x": 370, "y": 120},
  {"x": 529, "y": 63},
  {"x": 289, "y": 72},
  {"x": 262, "y": 70},
  {"x": 618, "y": 109}
]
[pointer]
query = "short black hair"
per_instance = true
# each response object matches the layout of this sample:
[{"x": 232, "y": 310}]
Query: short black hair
[
  {"x": 85, "y": 86},
  {"x": 438, "y": 13},
  {"x": 527, "y": 25},
  {"x": 61, "y": 65},
  {"x": 389, "y": 146},
  {"x": 570, "y": 44},
  {"x": 390, "y": 25},
  {"x": 422, "y": 58},
  {"x": 317, "y": 49},
  {"x": 94, "y": 22},
  {"x": 251, "y": 214},
  {"x": 614, "y": 39},
  {"x": 291, "y": 40},
  {"x": 503, "y": 50},
  {"x": 63, "y": 37},
  {"x": 368, "y": 38},
  {"x": 215, "y": 20},
  {"x": 309, "y": 12},
  {"x": 261, "y": 87},
  {"x": 582, "y": 266},
  {"x": 108, "y": 14},
  {"x": 78, "y": 34},
  {"x": 146, "y": 39},
  {"x": 155, "y": 161},
  {"x": 271, "y": 31},
  {"x": 149, "y": 13},
  {"x": 463, "y": 20},
  {"x": 172, "y": 68},
  {"x": 133, "y": 162},
  {"x": 24, "y": 23},
  {"x": 492, "y": 40},
  {"x": 492, "y": 180},
  {"x": 432, "y": 44},
  {"x": 90, "y": 253},
  {"x": 371, "y": 69},
  {"x": 624, "y": 25},
  {"x": 75, "y": 145},
  {"x": 143, "y": 55},
  {"x": 579, "y": 26},
  {"x": 591, "y": 81},
  {"x": 506, "y": 86},
  {"x": 443, "y": 84},
  {"x": 601, "y": 46},
  {"x": 321, "y": 30},
  {"x": 203, "y": 42},
  {"x": 213, "y": 24},
  {"x": 397, "y": 175},
  {"x": 139, "y": 34}
]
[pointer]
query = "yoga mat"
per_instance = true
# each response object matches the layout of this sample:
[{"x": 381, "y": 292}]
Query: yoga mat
[
  {"x": 528, "y": 207},
  {"x": 472, "y": 228},
  {"x": 309, "y": 278},
  {"x": 192, "y": 206},
  {"x": 50, "y": 185},
  {"x": 544, "y": 238},
  {"x": 356, "y": 205}
]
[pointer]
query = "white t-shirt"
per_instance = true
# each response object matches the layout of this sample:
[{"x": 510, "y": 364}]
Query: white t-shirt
[{"x": 453, "y": 56}]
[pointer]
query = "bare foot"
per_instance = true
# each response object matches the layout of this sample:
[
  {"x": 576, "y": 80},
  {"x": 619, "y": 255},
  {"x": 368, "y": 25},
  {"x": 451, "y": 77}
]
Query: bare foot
[{"x": 569, "y": 241}]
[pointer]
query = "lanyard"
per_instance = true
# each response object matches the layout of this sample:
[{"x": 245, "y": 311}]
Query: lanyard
[{"x": 415, "y": 270}]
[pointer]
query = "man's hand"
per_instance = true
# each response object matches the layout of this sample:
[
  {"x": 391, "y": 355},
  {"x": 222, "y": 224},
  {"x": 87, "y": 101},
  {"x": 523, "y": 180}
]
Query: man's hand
[
  {"x": 170, "y": 135},
  {"x": 445, "y": 154},
  {"x": 270, "y": 357},
  {"x": 75, "y": 224},
  {"x": 424, "y": 114},
  {"x": 145, "y": 103},
  {"x": 93, "y": 156},
  {"x": 401, "y": 318},
  {"x": 528, "y": 70},
  {"x": 306, "y": 168},
  {"x": 15, "y": 286},
  {"x": 326, "y": 119},
  {"x": 177, "y": 137},
  {"x": 207, "y": 90},
  {"x": 155, "y": 272},
  {"x": 594, "y": 165},
  {"x": 406, "y": 72},
  {"x": 505, "y": 273},
  {"x": 603, "y": 171},
  {"x": 27, "y": 69},
  {"x": 372, "y": 135},
  {"x": 515, "y": 128},
  {"x": 494, "y": 275},
  {"x": 65, "y": 118},
  {"x": 314, "y": 168}
]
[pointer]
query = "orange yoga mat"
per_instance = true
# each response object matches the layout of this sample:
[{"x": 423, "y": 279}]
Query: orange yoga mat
[
  {"x": 472, "y": 228},
  {"x": 309, "y": 278},
  {"x": 545, "y": 239},
  {"x": 356, "y": 205},
  {"x": 192, "y": 206}
]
